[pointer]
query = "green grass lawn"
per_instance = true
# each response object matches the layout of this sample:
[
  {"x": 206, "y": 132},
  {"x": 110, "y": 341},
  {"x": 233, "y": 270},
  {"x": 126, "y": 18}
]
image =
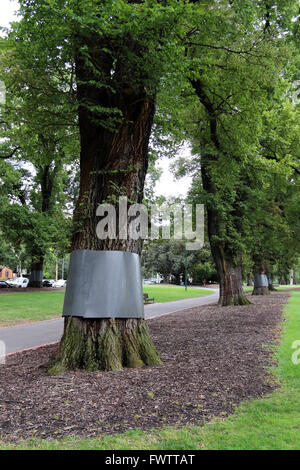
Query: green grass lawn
[
  {"x": 283, "y": 287},
  {"x": 36, "y": 306},
  {"x": 30, "y": 306},
  {"x": 163, "y": 293},
  {"x": 269, "y": 423}
]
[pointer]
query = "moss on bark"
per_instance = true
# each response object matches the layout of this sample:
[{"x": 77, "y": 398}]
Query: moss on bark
[
  {"x": 233, "y": 300},
  {"x": 104, "y": 344},
  {"x": 243, "y": 300},
  {"x": 261, "y": 291}
]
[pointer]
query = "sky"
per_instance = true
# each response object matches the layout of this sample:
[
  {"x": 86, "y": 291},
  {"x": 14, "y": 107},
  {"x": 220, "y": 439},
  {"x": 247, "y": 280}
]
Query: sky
[
  {"x": 167, "y": 184},
  {"x": 7, "y": 9}
]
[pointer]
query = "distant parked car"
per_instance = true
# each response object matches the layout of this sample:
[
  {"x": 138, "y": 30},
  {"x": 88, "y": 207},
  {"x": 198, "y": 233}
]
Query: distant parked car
[
  {"x": 21, "y": 282},
  {"x": 18, "y": 282},
  {"x": 48, "y": 282},
  {"x": 151, "y": 281},
  {"x": 11, "y": 282},
  {"x": 4, "y": 285},
  {"x": 59, "y": 283}
]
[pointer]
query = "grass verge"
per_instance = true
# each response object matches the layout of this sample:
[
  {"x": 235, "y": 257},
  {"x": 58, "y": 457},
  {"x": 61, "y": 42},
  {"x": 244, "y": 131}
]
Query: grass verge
[
  {"x": 19, "y": 308},
  {"x": 163, "y": 293},
  {"x": 279, "y": 288}
]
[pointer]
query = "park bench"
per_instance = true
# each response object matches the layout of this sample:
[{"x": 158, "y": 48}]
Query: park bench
[{"x": 148, "y": 299}]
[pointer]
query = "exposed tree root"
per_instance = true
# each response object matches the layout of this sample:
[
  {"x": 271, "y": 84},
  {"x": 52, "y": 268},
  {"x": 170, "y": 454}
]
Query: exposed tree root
[
  {"x": 104, "y": 344},
  {"x": 226, "y": 301},
  {"x": 261, "y": 291}
]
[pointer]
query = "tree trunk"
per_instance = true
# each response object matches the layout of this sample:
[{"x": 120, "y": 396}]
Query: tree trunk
[
  {"x": 227, "y": 265},
  {"x": 261, "y": 284},
  {"x": 36, "y": 275},
  {"x": 262, "y": 290},
  {"x": 231, "y": 285},
  {"x": 226, "y": 260},
  {"x": 104, "y": 344},
  {"x": 270, "y": 284},
  {"x": 46, "y": 177},
  {"x": 282, "y": 281},
  {"x": 113, "y": 163}
]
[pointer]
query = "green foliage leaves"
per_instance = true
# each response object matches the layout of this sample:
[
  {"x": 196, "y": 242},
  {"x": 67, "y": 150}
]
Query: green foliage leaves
[
  {"x": 221, "y": 72},
  {"x": 169, "y": 258}
]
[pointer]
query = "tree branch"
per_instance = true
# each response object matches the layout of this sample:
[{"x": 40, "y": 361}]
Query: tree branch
[
  {"x": 11, "y": 154},
  {"x": 226, "y": 49}
]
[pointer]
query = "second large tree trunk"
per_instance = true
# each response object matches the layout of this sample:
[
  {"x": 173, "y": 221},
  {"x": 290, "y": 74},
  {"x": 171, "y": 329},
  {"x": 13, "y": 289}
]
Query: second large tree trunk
[
  {"x": 260, "y": 287},
  {"x": 228, "y": 264},
  {"x": 222, "y": 245},
  {"x": 231, "y": 282},
  {"x": 261, "y": 278},
  {"x": 36, "y": 276},
  {"x": 113, "y": 164}
]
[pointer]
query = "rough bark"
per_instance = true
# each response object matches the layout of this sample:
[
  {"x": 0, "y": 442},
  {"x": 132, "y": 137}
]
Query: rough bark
[
  {"x": 105, "y": 344},
  {"x": 263, "y": 290},
  {"x": 46, "y": 176},
  {"x": 231, "y": 285},
  {"x": 227, "y": 261},
  {"x": 36, "y": 276},
  {"x": 113, "y": 163},
  {"x": 270, "y": 284},
  {"x": 227, "y": 265}
]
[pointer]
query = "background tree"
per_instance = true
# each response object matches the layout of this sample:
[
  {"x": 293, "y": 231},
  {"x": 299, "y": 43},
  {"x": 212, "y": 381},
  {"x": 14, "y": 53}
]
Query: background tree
[
  {"x": 40, "y": 136},
  {"x": 235, "y": 70}
]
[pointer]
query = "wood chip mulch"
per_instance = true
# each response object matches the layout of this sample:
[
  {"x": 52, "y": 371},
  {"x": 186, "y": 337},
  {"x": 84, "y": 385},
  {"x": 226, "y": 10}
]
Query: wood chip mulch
[{"x": 213, "y": 358}]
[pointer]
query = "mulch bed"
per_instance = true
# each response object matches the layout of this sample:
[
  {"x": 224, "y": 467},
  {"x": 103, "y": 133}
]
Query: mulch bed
[{"x": 213, "y": 358}]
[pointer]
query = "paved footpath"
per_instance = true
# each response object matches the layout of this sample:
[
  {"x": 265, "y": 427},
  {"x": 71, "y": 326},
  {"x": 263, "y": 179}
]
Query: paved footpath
[{"x": 18, "y": 338}]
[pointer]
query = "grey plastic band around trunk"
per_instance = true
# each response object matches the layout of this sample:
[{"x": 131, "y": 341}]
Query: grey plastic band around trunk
[
  {"x": 104, "y": 284},
  {"x": 260, "y": 280}
]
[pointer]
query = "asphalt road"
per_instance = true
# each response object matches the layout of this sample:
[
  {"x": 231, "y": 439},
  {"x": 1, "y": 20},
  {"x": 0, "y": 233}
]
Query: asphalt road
[{"x": 18, "y": 338}]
